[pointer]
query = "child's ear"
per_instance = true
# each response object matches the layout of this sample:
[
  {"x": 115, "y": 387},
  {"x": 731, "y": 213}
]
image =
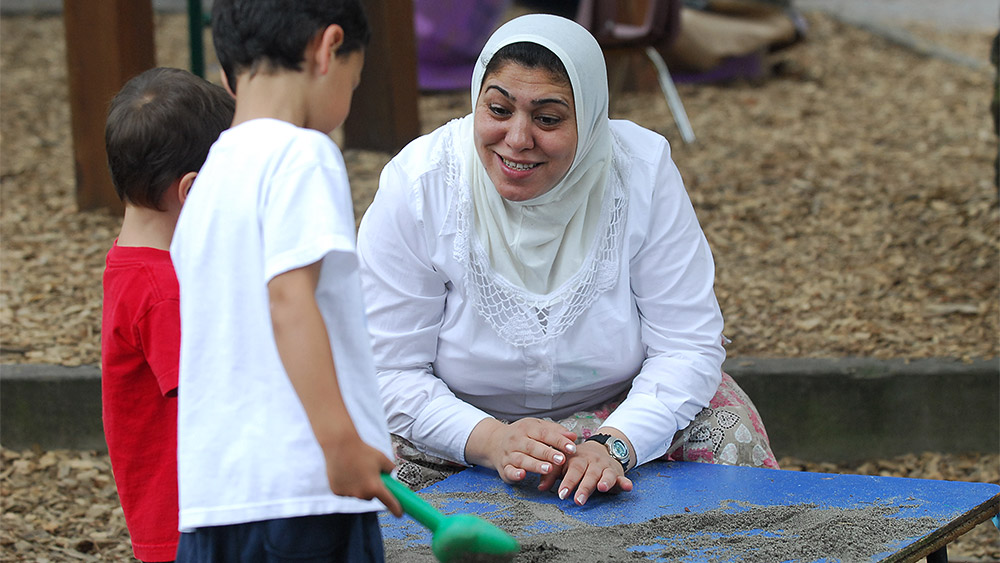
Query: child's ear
[
  {"x": 329, "y": 41},
  {"x": 184, "y": 186},
  {"x": 225, "y": 83}
]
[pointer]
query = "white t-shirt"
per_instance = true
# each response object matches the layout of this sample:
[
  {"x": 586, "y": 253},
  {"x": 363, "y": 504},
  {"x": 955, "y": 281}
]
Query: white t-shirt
[
  {"x": 271, "y": 198},
  {"x": 656, "y": 333}
]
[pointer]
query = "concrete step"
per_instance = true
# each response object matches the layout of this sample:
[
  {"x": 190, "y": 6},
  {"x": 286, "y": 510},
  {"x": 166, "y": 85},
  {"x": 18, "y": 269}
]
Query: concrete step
[
  {"x": 843, "y": 410},
  {"x": 836, "y": 410}
]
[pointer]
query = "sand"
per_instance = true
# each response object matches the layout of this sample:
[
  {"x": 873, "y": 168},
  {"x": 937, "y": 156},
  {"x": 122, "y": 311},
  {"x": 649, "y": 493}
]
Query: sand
[{"x": 803, "y": 532}]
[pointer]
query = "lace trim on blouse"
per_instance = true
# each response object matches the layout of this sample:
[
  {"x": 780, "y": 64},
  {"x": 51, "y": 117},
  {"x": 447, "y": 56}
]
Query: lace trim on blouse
[{"x": 520, "y": 317}]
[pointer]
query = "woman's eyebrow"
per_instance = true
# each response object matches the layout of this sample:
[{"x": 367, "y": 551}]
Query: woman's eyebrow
[
  {"x": 544, "y": 101},
  {"x": 505, "y": 93},
  {"x": 539, "y": 102}
]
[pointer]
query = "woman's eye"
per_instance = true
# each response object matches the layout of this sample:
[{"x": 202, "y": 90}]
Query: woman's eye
[
  {"x": 499, "y": 110},
  {"x": 548, "y": 120}
]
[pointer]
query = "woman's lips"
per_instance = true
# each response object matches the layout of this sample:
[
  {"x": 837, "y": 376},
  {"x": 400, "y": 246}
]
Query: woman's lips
[{"x": 518, "y": 169}]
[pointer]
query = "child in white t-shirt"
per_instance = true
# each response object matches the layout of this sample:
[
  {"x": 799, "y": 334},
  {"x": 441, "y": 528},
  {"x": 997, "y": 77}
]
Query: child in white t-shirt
[{"x": 281, "y": 436}]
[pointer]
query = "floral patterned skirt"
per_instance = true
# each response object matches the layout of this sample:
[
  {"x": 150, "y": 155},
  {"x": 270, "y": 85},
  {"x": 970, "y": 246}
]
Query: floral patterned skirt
[{"x": 729, "y": 431}]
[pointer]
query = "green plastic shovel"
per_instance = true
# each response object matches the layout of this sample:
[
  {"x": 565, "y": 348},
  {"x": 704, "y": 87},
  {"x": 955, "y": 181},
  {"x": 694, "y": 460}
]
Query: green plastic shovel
[{"x": 459, "y": 537}]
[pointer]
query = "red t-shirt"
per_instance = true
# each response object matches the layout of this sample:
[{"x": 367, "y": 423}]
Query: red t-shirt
[{"x": 140, "y": 346}]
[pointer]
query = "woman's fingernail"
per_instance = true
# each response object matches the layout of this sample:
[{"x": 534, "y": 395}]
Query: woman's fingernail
[
  {"x": 559, "y": 458},
  {"x": 546, "y": 467},
  {"x": 580, "y": 499},
  {"x": 563, "y": 493},
  {"x": 571, "y": 448}
]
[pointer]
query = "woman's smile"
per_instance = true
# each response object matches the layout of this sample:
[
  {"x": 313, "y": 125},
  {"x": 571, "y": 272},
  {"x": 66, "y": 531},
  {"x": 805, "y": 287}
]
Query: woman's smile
[{"x": 517, "y": 166}]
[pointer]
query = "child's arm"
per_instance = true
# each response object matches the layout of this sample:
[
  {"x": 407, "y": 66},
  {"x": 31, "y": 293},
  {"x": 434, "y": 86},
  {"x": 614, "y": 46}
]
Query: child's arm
[{"x": 353, "y": 467}]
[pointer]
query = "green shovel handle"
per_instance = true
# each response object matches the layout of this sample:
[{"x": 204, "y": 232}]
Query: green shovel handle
[{"x": 421, "y": 510}]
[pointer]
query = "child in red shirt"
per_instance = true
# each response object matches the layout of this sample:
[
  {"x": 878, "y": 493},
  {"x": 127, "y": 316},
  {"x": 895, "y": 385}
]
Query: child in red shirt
[{"x": 159, "y": 130}]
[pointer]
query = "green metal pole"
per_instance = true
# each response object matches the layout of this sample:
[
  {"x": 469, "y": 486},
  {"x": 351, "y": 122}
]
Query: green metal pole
[{"x": 196, "y": 24}]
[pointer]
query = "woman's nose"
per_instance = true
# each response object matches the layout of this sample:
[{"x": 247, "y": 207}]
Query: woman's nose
[{"x": 519, "y": 133}]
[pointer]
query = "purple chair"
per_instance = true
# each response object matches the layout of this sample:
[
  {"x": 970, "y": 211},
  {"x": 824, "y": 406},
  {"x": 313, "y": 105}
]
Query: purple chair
[
  {"x": 450, "y": 34},
  {"x": 659, "y": 27}
]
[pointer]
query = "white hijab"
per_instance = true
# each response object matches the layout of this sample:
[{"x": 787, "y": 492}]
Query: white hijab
[{"x": 540, "y": 244}]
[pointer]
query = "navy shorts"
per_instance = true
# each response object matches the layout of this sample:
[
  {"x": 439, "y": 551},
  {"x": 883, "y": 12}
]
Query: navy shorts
[{"x": 324, "y": 538}]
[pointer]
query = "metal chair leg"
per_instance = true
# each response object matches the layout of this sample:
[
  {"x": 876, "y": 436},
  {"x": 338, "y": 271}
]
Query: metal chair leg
[
  {"x": 196, "y": 25},
  {"x": 670, "y": 92},
  {"x": 939, "y": 556}
]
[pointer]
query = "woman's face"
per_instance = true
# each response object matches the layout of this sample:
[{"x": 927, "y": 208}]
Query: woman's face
[{"x": 525, "y": 130}]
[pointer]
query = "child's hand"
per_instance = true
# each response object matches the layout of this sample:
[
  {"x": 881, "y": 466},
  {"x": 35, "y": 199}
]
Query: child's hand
[{"x": 356, "y": 471}]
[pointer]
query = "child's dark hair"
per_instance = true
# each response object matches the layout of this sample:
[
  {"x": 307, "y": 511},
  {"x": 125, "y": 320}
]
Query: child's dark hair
[
  {"x": 262, "y": 35},
  {"x": 529, "y": 55},
  {"x": 160, "y": 126}
]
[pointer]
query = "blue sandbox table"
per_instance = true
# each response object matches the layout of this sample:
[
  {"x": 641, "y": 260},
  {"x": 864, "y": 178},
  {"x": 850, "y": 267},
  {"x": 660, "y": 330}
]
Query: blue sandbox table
[{"x": 947, "y": 509}]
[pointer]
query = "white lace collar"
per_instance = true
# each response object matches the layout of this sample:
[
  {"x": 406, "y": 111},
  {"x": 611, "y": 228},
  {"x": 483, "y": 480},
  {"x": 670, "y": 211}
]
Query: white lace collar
[{"x": 519, "y": 317}]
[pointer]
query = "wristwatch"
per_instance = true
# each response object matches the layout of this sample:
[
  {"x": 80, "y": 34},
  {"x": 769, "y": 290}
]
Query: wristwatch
[{"x": 617, "y": 448}]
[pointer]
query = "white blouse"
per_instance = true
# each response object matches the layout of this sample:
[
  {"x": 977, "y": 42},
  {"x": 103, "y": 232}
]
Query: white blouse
[{"x": 442, "y": 368}]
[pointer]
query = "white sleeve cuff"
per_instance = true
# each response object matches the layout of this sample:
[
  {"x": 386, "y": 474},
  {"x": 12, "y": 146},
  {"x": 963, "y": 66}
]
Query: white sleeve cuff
[
  {"x": 647, "y": 423},
  {"x": 444, "y": 427}
]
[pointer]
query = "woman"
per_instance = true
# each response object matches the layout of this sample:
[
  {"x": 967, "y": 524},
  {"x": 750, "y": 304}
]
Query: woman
[{"x": 535, "y": 262}]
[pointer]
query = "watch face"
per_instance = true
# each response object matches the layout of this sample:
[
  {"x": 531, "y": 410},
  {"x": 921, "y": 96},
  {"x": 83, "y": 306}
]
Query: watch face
[{"x": 619, "y": 450}]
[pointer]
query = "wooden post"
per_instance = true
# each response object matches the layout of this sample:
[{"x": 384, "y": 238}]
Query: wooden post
[
  {"x": 107, "y": 43},
  {"x": 384, "y": 113}
]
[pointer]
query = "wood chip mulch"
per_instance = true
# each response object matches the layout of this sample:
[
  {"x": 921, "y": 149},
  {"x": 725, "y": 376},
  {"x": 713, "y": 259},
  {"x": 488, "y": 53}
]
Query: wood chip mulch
[
  {"x": 849, "y": 200},
  {"x": 61, "y": 505}
]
